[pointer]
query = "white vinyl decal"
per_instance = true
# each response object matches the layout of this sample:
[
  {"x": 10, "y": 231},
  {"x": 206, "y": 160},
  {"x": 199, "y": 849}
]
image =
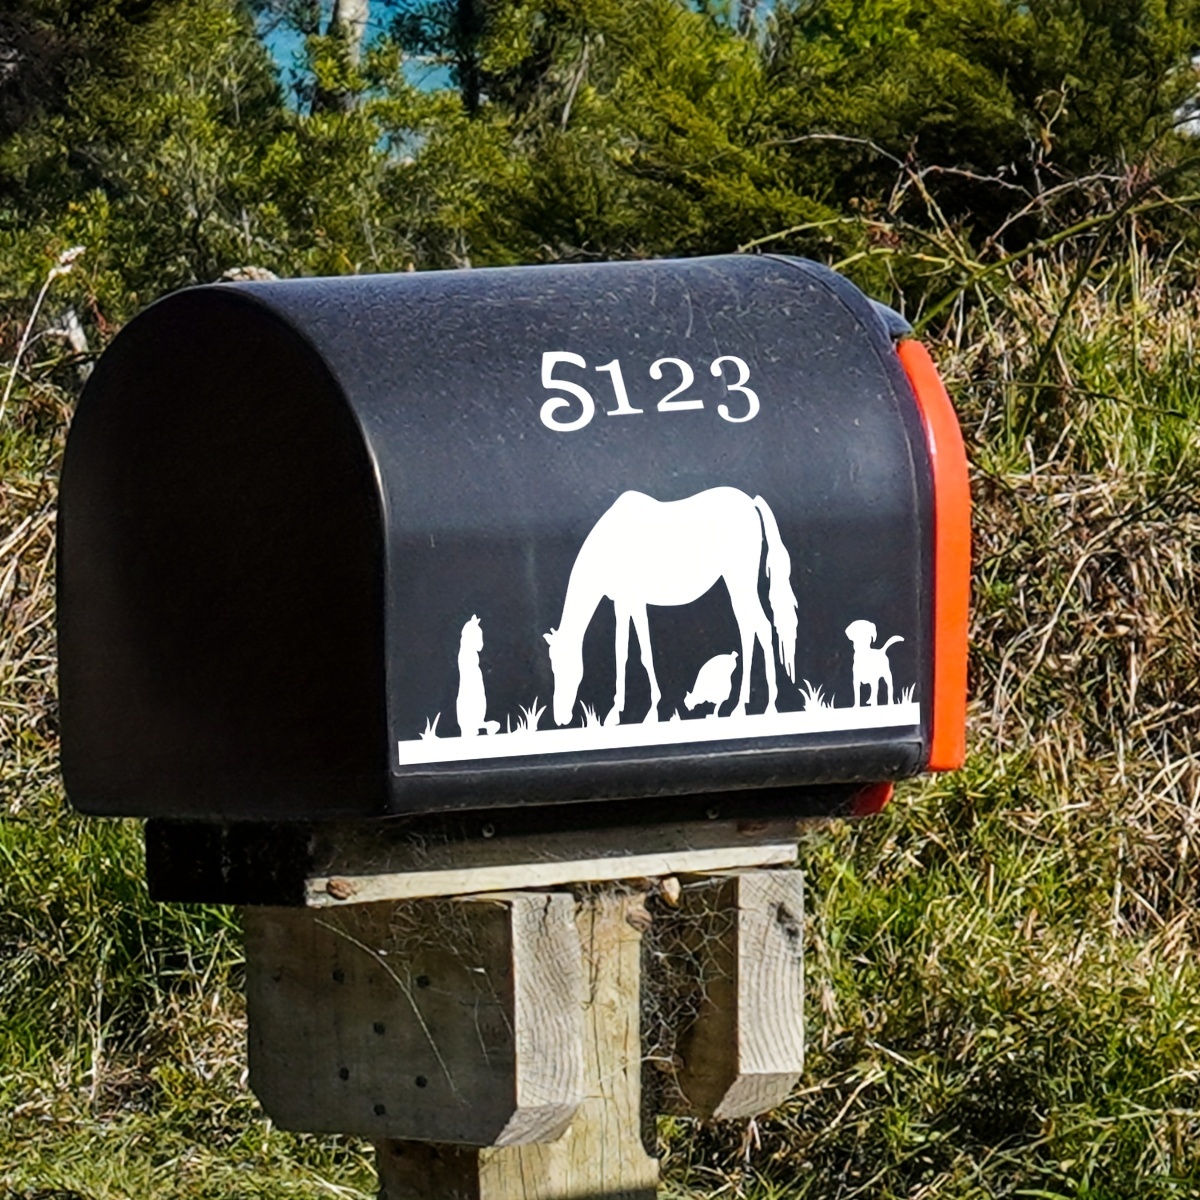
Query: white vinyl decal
[
  {"x": 472, "y": 703},
  {"x": 871, "y": 666},
  {"x": 644, "y": 552},
  {"x": 558, "y": 413}
]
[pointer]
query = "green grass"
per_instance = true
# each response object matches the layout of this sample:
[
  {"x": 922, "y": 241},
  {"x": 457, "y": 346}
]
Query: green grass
[
  {"x": 122, "y": 1032},
  {"x": 1004, "y": 987},
  {"x": 982, "y": 1022},
  {"x": 1003, "y": 972}
]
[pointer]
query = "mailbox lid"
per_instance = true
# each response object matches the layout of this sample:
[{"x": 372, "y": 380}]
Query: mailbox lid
[{"x": 734, "y": 402}]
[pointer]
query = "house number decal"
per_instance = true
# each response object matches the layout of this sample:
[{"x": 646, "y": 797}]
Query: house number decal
[{"x": 565, "y": 415}]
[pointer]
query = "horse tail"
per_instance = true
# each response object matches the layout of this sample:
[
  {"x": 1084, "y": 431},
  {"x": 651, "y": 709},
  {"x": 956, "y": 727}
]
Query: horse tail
[{"x": 779, "y": 591}]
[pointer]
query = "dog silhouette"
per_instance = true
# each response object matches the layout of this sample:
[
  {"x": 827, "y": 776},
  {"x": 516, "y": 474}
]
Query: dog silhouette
[{"x": 871, "y": 666}]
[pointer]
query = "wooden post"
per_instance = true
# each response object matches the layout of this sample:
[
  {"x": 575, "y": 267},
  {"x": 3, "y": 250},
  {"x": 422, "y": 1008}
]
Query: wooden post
[
  {"x": 492, "y": 1046},
  {"x": 444, "y": 1021},
  {"x": 601, "y": 1154},
  {"x": 730, "y": 982}
]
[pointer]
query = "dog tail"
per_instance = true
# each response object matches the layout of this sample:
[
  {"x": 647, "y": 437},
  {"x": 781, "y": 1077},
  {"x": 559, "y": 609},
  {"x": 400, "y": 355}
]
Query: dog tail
[
  {"x": 779, "y": 593},
  {"x": 891, "y": 641}
]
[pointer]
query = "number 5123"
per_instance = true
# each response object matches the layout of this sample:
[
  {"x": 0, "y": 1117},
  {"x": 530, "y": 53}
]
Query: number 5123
[{"x": 556, "y": 412}]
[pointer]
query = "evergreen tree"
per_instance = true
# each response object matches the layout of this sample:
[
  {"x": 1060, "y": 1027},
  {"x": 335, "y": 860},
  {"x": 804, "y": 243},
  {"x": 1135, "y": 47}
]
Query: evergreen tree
[
  {"x": 157, "y": 134},
  {"x": 1000, "y": 102},
  {"x": 166, "y": 148}
]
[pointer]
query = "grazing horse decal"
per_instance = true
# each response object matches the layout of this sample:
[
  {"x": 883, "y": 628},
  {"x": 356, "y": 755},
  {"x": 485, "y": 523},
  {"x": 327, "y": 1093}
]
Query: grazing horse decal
[{"x": 645, "y": 551}]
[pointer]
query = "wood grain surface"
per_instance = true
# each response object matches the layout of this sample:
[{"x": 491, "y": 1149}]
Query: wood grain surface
[
  {"x": 445, "y": 1021},
  {"x": 601, "y": 1154},
  {"x": 533, "y": 865},
  {"x": 740, "y": 1049}
]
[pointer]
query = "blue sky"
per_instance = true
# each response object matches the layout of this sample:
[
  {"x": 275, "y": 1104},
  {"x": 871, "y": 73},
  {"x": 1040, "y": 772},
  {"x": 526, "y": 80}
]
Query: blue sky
[{"x": 287, "y": 48}]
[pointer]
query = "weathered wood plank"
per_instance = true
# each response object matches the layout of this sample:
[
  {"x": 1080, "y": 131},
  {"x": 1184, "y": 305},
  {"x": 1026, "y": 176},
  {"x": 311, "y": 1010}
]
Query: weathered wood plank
[
  {"x": 419, "y": 1171},
  {"x": 259, "y": 863},
  {"x": 731, "y": 961},
  {"x": 601, "y": 1154},
  {"x": 443, "y": 1021},
  {"x": 527, "y": 872}
]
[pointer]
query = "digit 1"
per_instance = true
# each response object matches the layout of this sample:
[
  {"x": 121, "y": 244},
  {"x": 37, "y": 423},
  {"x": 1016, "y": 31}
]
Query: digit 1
[{"x": 618, "y": 384}]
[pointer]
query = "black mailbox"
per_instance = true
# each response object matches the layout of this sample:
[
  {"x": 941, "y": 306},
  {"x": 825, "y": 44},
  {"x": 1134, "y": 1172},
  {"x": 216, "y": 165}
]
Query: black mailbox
[{"x": 398, "y": 544}]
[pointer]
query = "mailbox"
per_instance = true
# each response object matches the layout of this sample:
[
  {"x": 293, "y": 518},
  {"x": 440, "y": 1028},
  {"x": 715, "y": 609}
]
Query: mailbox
[{"x": 383, "y": 545}]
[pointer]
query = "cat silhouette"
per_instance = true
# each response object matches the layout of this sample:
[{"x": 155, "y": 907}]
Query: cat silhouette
[{"x": 472, "y": 700}]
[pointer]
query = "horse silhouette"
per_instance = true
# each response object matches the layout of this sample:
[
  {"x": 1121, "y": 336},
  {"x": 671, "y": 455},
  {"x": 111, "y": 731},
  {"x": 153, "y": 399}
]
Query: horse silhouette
[{"x": 645, "y": 551}]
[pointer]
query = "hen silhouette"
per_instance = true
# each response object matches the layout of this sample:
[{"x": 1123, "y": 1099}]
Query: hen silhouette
[{"x": 714, "y": 682}]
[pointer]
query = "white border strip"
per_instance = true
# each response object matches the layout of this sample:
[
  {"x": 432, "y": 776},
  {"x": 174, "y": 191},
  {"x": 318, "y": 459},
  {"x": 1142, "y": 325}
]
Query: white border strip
[{"x": 655, "y": 733}]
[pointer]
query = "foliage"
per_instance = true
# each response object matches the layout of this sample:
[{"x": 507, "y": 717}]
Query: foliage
[
  {"x": 173, "y": 158},
  {"x": 156, "y": 132},
  {"x": 1002, "y": 102},
  {"x": 1003, "y": 982},
  {"x": 1002, "y": 966}
]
